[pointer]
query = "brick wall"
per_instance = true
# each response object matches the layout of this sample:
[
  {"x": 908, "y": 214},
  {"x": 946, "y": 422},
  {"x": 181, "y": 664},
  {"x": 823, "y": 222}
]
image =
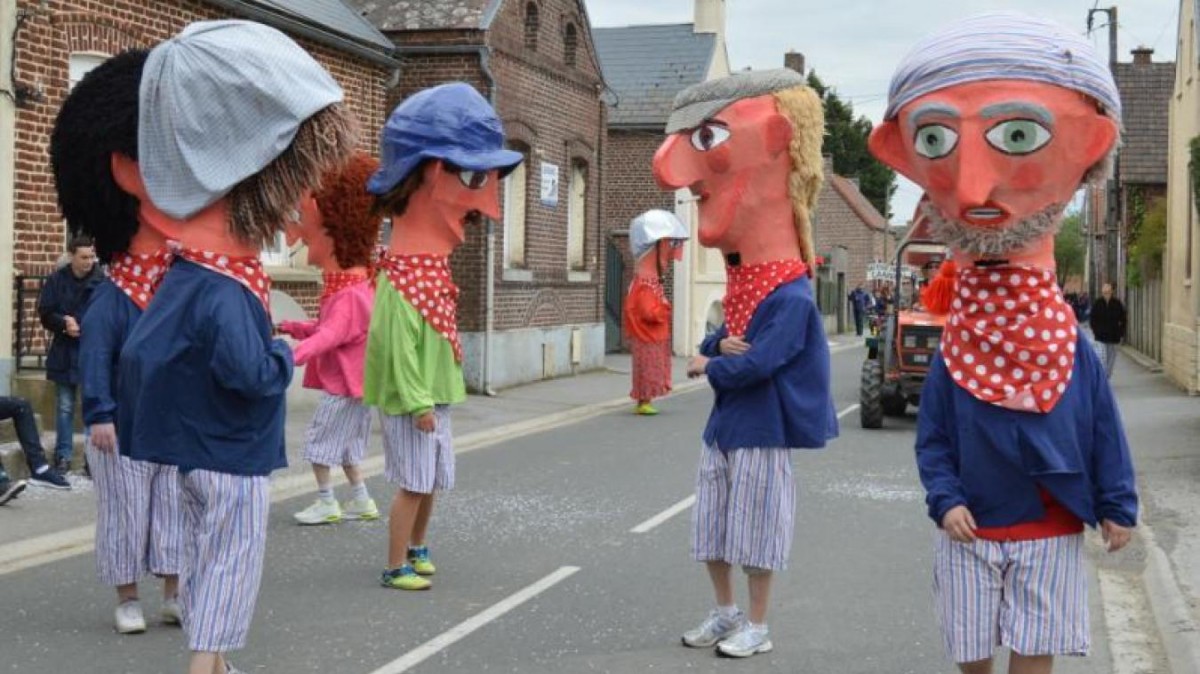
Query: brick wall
[
  {"x": 44, "y": 46},
  {"x": 836, "y": 224}
]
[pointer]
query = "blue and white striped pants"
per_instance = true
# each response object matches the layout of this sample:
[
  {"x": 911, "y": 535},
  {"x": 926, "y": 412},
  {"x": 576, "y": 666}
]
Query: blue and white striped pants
[
  {"x": 225, "y": 539},
  {"x": 745, "y": 507},
  {"x": 338, "y": 432},
  {"x": 1030, "y": 596},
  {"x": 417, "y": 462},
  {"x": 139, "y": 518}
]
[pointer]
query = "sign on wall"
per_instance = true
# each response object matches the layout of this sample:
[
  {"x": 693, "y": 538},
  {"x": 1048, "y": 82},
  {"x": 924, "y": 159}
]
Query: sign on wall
[{"x": 550, "y": 185}]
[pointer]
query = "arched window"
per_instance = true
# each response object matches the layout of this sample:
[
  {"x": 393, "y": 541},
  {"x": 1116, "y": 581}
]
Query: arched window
[
  {"x": 577, "y": 215},
  {"x": 80, "y": 64},
  {"x": 516, "y": 190},
  {"x": 570, "y": 45},
  {"x": 531, "y": 26}
]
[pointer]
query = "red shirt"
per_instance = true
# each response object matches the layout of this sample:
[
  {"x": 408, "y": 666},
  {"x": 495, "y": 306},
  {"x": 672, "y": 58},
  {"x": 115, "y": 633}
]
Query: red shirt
[
  {"x": 1058, "y": 521},
  {"x": 647, "y": 311}
]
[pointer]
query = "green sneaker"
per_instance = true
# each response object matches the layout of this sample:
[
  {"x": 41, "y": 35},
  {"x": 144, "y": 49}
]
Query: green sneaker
[
  {"x": 418, "y": 558},
  {"x": 404, "y": 578},
  {"x": 360, "y": 509},
  {"x": 320, "y": 512},
  {"x": 646, "y": 410}
]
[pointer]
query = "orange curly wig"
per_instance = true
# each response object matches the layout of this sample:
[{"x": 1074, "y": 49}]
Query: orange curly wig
[{"x": 346, "y": 209}]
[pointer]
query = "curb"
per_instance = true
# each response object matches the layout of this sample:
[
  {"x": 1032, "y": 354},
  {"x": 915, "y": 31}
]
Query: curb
[
  {"x": 67, "y": 543},
  {"x": 1148, "y": 363},
  {"x": 1172, "y": 617}
]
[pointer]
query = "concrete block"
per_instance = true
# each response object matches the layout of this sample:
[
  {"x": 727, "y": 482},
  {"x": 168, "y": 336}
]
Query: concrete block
[{"x": 533, "y": 354}]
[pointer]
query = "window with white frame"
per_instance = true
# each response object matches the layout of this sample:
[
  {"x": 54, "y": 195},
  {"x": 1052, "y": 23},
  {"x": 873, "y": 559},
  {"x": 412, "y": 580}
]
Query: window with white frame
[
  {"x": 516, "y": 192},
  {"x": 80, "y": 64},
  {"x": 277, "y": 253},
  {"x": 577, "y": 215}
]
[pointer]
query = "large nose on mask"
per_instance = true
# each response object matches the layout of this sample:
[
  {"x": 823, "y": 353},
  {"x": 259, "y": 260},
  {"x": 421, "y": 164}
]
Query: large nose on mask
[
  {"x": 675, "y": 166},
  {"x": 486, "y": 199},
  {"x": 977, "y": 176}
]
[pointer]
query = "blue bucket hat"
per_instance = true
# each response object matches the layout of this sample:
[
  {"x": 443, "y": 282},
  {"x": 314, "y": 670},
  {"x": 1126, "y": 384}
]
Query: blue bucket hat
[{"x": 451, "y": 122}]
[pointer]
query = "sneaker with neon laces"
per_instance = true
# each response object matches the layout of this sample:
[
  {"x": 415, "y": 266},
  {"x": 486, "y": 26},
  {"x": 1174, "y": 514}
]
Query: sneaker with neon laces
[
  {"x": 714, "y": 628},
  {"x": 129, "y": 618},
  {"x": 404, "y": 578},
  {"x": 750, "y": 640},
  {"x": 418, "y": 558},
  {"x": 360, "y": 509},
  {"x": 320, "y": 512}
]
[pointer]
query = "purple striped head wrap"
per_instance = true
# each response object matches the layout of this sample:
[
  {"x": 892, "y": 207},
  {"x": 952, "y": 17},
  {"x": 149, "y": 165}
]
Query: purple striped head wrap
[{"x": 1003, "y": 46}]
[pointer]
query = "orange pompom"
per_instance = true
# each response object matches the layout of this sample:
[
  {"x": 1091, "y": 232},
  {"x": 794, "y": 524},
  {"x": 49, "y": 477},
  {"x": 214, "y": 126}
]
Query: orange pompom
[{"x": 938, "y": 295}]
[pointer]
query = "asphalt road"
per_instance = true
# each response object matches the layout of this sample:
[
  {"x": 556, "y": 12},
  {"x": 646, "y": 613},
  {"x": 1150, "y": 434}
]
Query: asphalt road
[{"x": 547, "y": 519}]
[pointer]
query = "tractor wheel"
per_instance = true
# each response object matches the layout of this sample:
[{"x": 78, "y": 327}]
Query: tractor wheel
[
  {"x": 894, "y": 404},
  {"x": 870, "y": 410}
]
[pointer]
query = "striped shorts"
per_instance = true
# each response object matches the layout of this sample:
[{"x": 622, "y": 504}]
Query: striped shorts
[
  {"x": 225, "y": 538},
  {"x": 420, "y": 463},
  {"x": 745, "y": 507},
  {"x": 1030, "y": 596},
  {"x": 139, "y": 520},
  {"x": 338, "y": 433}
]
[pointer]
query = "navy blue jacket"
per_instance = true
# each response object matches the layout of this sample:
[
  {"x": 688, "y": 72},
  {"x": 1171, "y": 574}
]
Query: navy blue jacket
[
  {"x": 109, "y": 319},
  {"x": 202, "y": 384},
  {"x": 65, "y": 295},
  {"x": 776, "y": 394},
  {"x": 992, "y": 459}
]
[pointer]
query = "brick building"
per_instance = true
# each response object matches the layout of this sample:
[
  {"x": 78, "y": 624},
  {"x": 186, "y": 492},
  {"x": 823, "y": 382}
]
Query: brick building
[
  {"x": 59, "y": 41},
  {"x": 531, "y": 303},
  {"x": 645, "y": 67}
]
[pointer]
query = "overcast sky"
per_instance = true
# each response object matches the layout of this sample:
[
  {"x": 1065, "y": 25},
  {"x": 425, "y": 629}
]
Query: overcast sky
[{"x": 854, "y": 44}]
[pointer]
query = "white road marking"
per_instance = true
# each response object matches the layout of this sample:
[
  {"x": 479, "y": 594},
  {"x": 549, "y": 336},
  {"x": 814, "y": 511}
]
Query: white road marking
[
  {"x": 430, "y": 648},
  {"x": 848, "y": 410},
  {"x": 663, "y": 516}
]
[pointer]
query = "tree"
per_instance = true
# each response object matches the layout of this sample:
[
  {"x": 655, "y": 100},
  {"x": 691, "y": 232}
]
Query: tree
[
  {"x": 1069, "y": 248},
  {"x": 846, "y": 141},
  {"x": 1149, "y": 243}
]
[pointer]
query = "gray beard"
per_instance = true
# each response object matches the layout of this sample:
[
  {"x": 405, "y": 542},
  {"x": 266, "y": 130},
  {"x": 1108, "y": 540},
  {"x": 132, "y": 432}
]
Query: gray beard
[{"x": 980, "y": 241}]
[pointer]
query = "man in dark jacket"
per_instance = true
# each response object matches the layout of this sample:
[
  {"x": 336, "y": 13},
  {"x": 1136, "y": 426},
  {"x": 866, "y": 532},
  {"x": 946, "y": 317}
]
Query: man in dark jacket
[
  {"x": 860, "y": 304},
  {"x": 1108, "y": 321},
  {"x": 61, "y": 307}
]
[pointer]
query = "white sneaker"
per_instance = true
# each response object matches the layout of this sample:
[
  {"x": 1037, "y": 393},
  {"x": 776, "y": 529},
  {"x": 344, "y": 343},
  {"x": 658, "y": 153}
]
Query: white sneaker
[
  {"x": 320, "y": 512},
  {"x": 713, "y": 629},
  {"x": 130, "y": 619},
  {"x": 172, "y": 612},
  {"x": 748, "y": 641},
  {"x": 360, "y": 509}
]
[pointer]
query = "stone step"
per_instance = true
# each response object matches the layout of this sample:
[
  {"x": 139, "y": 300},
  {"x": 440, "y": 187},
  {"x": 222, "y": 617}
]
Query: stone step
[{"x": 13, "y": 457}]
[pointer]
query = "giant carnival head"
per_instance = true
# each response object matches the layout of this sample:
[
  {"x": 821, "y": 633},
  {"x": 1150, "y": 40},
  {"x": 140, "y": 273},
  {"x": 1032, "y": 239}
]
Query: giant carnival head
[
  {"x": 443, "y": 156},
  {"x": 748, "y": 146},
  {"x": 98, "y": 123},
  {"x": 237, "y": 125},
  {"x": 1000, "y": 118},
  {"x": 339, "y": 225}
]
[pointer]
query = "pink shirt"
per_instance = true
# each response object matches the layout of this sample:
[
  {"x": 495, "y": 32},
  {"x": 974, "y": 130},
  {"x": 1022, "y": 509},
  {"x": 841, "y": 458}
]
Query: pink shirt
[{"x": 334, "y": 346}]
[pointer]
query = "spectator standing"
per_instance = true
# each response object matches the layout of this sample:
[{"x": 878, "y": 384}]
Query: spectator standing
[
  {"x": 60, "y": 307},
  {"x": 41, "y": 473},
  {"x": 1108, "y": 321},
  {"x": 860, "y": 302}
]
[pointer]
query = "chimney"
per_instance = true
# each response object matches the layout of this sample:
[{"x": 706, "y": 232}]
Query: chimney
[
  {"x": 1141, "y": 56},
  {"x": 794, "y": 60},
  {"x": 710, "y": 16}
]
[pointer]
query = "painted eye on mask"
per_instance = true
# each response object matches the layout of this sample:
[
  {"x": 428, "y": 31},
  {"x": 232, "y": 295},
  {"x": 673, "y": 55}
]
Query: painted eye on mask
[
  {"x": 473, "y": 179},
  {"x": 709, "y": 136},
  {"x": 935, "y": 141},
  {"x": 1018, "y": 136}
]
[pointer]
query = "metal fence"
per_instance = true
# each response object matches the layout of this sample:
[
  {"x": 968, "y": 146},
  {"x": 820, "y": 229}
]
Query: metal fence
[
  {"x": 30, "y": 340},
  {"x": 1144, "y": 303}
]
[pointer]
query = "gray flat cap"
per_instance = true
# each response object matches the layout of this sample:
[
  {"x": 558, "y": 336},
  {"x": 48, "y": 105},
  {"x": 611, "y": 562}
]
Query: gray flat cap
[
  {"x": 219, "y": 102},
  {"x": 701, "y": 101}
]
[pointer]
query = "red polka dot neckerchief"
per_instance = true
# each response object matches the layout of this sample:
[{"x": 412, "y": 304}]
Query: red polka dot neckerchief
[
  {"x": 424, "y": 280},
  {"x": 138, "y": 275},
  {"x": 653, "y": 284},
  {"x": 337, "y": 281},
  {"x": 247, "y": 271},
  {"x": 1010, "y": 337},
  {"x": 747, "y": 285}
]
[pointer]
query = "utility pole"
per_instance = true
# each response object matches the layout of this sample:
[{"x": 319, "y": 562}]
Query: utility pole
[{"x": 1114, "y": 229}]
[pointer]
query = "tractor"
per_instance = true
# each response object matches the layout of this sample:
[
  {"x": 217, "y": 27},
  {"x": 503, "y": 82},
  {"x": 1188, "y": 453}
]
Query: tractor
[{"x": 904, "y": 342}]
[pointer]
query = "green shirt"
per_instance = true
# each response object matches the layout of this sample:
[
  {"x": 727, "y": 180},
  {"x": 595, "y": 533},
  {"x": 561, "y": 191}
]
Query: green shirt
[{"x": 410, "y": 366}]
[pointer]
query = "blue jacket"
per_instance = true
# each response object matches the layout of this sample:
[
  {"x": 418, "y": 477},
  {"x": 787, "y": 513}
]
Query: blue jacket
[
  {"x": 992, "y": 459},
  {"x": 777, "y": 393},
  {"x": 202, "y": 385},
  {"x": 109, "y": 319},
  {"x": 65, "y": 295}
]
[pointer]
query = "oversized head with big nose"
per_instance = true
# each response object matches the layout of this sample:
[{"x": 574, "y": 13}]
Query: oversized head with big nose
[{"x": 748, "y": 146}]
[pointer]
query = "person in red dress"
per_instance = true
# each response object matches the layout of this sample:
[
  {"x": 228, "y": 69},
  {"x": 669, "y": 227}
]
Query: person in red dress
[{"x": 656, "y": 238}]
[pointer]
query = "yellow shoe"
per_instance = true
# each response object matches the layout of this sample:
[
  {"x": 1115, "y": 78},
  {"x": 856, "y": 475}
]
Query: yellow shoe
[
  {"x": 418, "y": 558},
  {"x": 646, "y": 410},
  {"x": 404, "y": 578}
]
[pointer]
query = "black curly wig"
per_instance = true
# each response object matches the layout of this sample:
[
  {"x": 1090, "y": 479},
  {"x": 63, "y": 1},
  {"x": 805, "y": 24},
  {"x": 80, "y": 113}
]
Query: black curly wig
[{"x": 99, "y": 117}]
